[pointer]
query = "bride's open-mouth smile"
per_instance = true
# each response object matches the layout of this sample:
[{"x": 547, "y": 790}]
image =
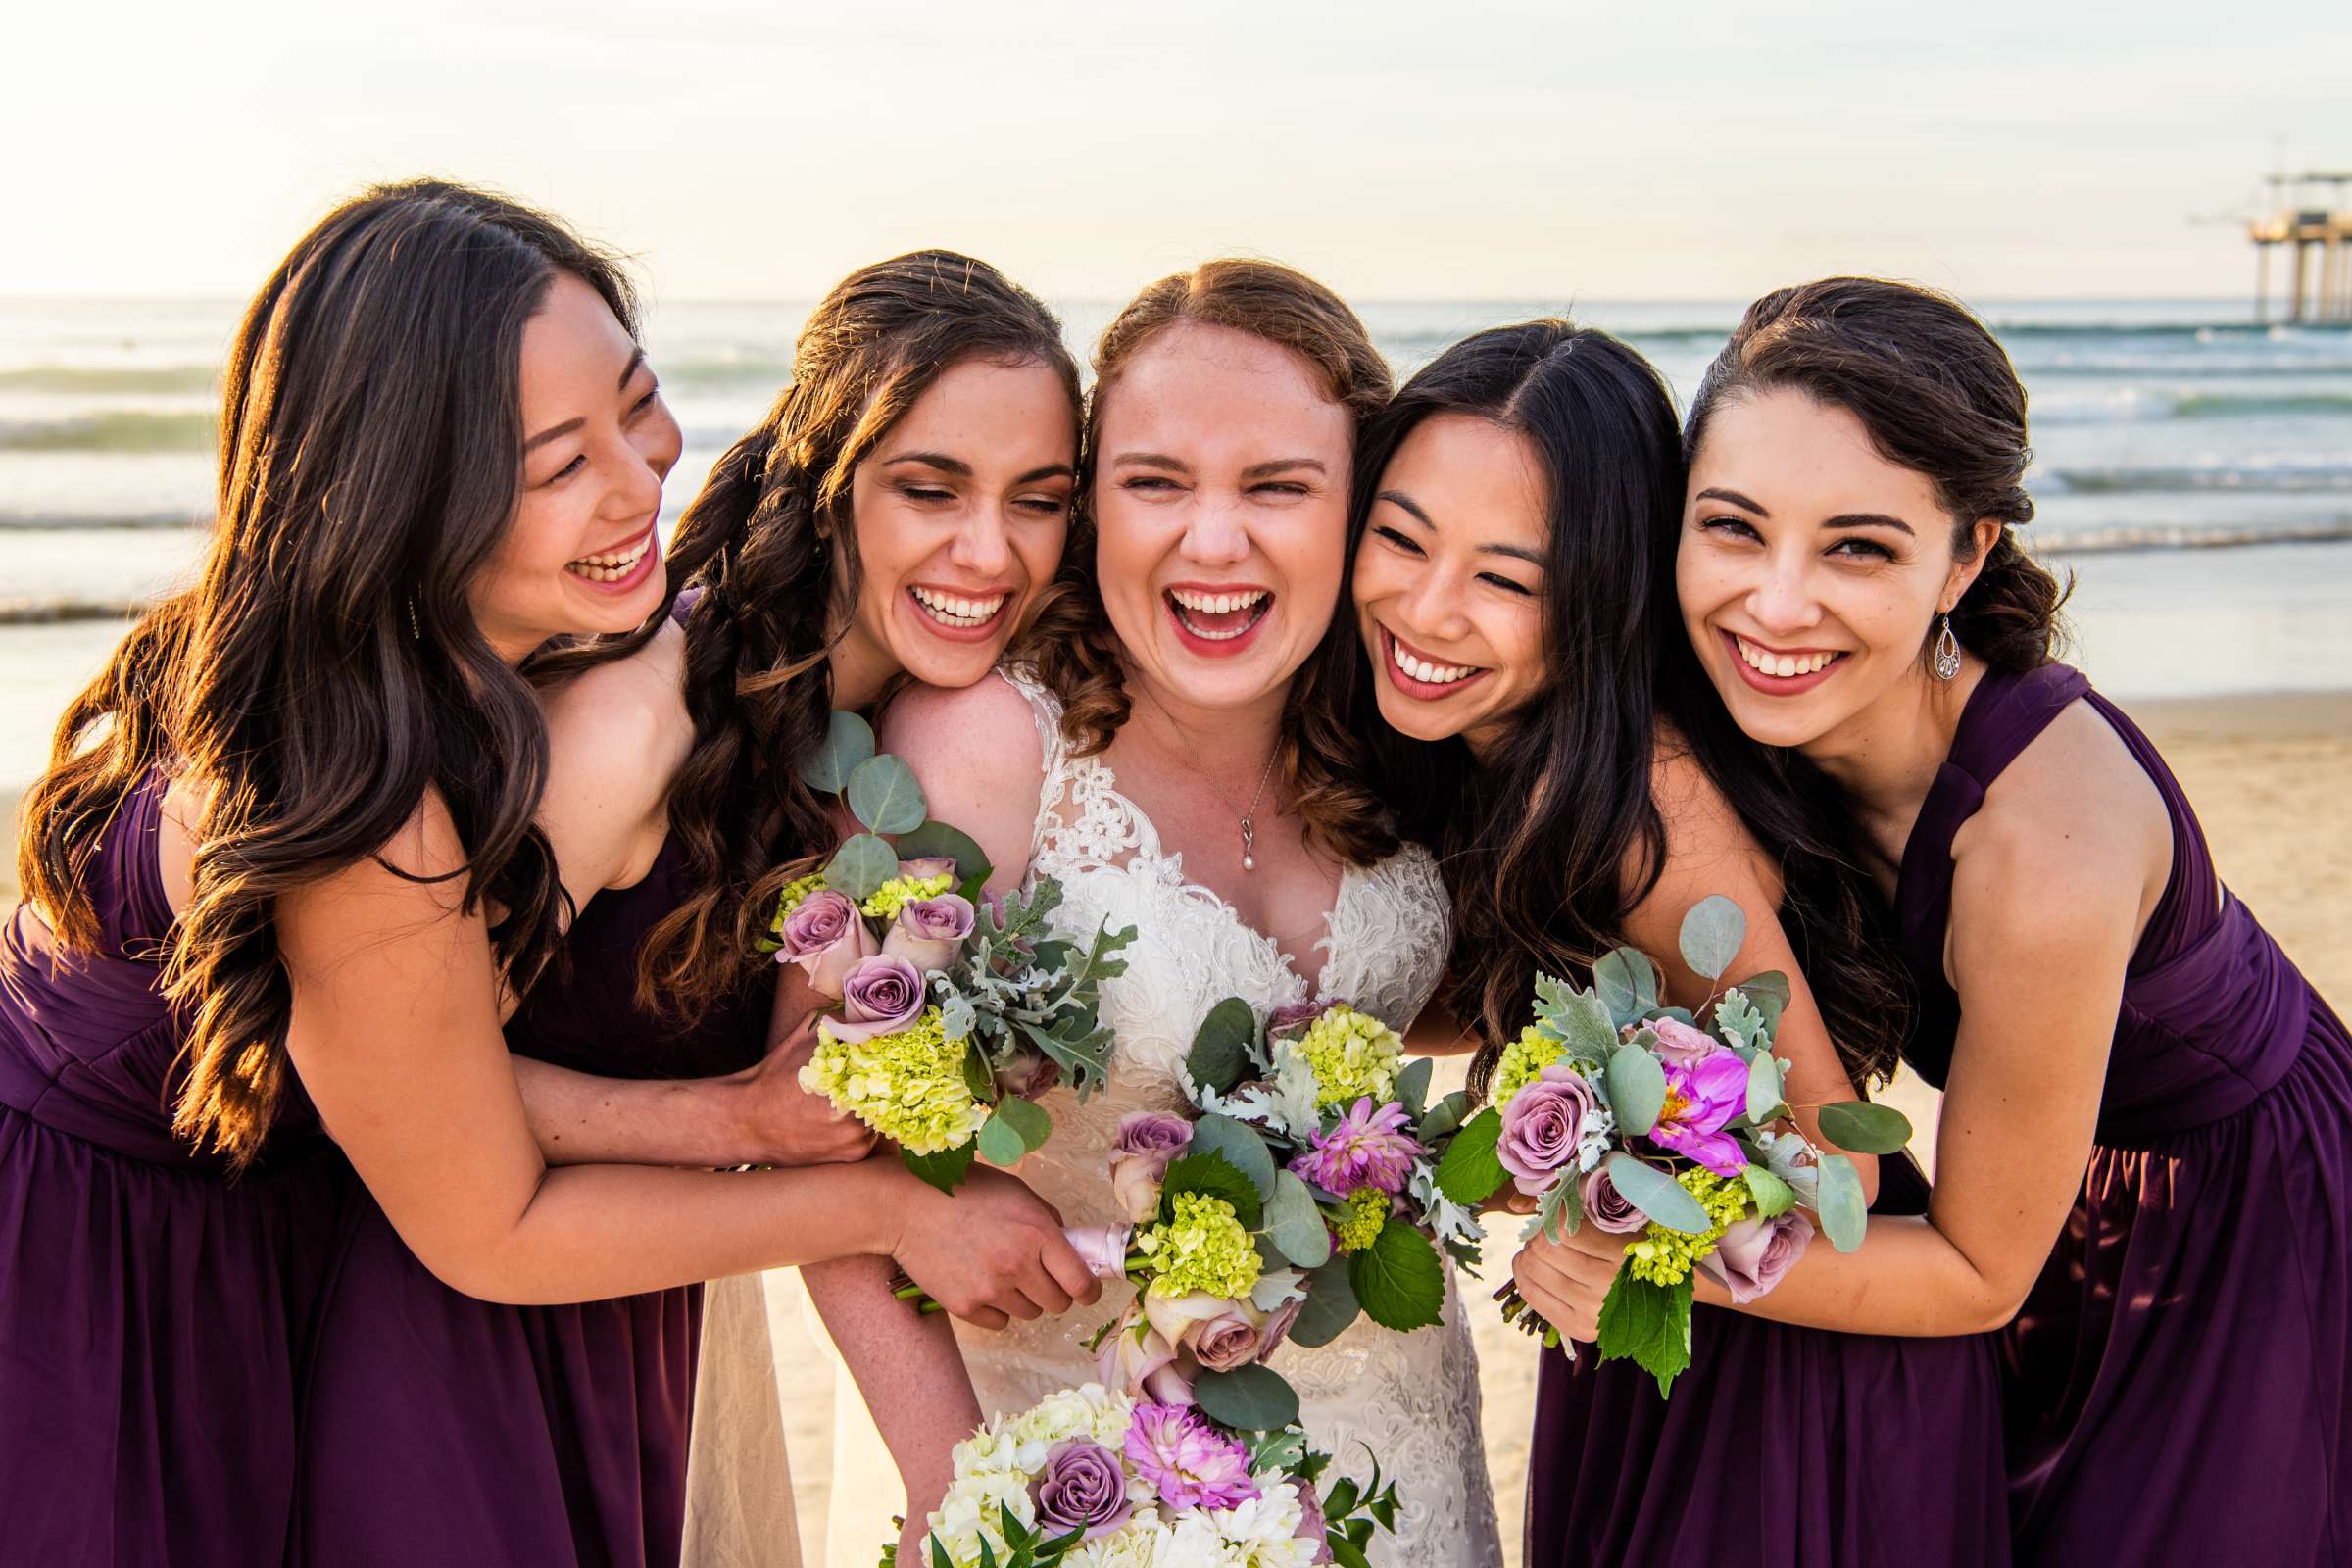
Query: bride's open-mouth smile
[{"x": 1217, "y": 621}]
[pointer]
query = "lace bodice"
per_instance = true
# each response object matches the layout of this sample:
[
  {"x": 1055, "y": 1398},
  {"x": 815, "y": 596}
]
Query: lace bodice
[{"x": 1412, "y": 1397}]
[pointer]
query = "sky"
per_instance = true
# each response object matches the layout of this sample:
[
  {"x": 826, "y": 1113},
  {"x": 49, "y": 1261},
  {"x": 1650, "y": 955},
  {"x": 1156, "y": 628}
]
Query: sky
[{"x": 1397, "y": 148}]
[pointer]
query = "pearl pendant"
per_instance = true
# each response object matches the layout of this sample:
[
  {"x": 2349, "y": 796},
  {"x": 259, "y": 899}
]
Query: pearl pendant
[{"x": 1248, "y": 863}]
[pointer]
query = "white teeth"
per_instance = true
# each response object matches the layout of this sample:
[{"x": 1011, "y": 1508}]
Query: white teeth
[
  {"x": 1428, "y": 673},
  {"x": 1216, "y": 604},
  {"x": 1784, "y": 665},
  {"x": 610, "y": 567},
  {"x": 952, "y": 610}
]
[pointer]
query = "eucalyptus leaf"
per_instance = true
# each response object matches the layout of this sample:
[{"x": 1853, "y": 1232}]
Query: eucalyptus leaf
[
  {"x": 1398, "y": 1279},
  {"x": 1678, "y": 1014},
  {"x": 1470, "y": 1173},
  {"x": 862, "y": 863},
  {"x": 1864, "y": 1127},
  {"x": 1628, "y": 984},
  {"x": 1769, "y": 992},
  {"x": 1844, "y": 1216},
  {"x": 1774, "y": 1196},
  {"x": 1239, "y": 1143},
  {"x": 1445, "y": 1118},
  {"x": 1712, "y": 932},
  {"x": 1248, "y": 1398},
  {"x": 1027, "y": 1118},
  {"x": 937, "y": 838},
  {"x": 1000, "y": 1142},
  {"x": 1636, "y": 1089},
  {"x": 1763, "y": 1087},
  {"x": 1330, "y": 1305},
  {"x": 1295, "y": 1225},
  {"x": 1413, "y": 1083},
  {"x": 1657, "y": 1195},
  {"x": 1221, "y": 1054},
  {"x": 885, "y": 797},
  {"x": 849, "y": 741}
]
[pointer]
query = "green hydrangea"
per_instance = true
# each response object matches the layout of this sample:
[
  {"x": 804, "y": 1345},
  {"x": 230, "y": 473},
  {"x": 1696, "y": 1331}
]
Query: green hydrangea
[
  {"x": 1665, "y": 1257},
  {"x": 907, "y": 1085},
  {"x": 1353, "y": 1055},
  {"x": 885, "y": 901},
  {"x": 1204, "y": 1250},
  {"x": 1524, "y": 1060},
  {"x": 1367, "y": 1216}
]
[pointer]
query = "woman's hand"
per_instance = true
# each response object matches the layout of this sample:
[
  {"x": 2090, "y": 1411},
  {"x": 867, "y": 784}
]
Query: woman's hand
[
  {"x": 991, "y": 1253},
  {"x": 788, "y": 1123},
  {"x": 1567, "y": 1280}
]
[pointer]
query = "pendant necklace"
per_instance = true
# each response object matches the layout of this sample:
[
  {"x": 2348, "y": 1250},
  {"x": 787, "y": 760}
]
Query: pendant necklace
[{"x": 1248, "y": 827}]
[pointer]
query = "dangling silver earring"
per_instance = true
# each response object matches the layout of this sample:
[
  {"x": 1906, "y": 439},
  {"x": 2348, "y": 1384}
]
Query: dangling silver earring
[
  {"x": 415, "y": 632},
  {"x": 1947, "y": 651}
]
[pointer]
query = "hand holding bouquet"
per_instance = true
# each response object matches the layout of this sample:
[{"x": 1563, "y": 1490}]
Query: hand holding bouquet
[
  {"x": 955, "y": 1009},
  {"x": 1615, "y": 1112}
]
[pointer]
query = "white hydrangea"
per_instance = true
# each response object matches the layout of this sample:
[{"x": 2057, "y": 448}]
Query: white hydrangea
[{"x": 1263, "y": 1531}]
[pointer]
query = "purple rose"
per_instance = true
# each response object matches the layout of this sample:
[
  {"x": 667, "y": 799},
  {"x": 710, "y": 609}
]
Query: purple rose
[
  {"x": 1752, "y": 1255},
  {"x": 1542, "y": 1125},
  {"x": 1102, "y": 1249},
  {"x": 1225, "y": 1342},
  {"x": 879, "y": 995},
  {"x": 1606, "y": 1207},
  {"x": 929, "y": 932},
  {"x": 824, "y": 935},
  {"x": 1680, "y": 1044},
  {"x": 1149, "y": 1143},
  {"x": 1081, "y": 1487},
  {"x": 1028, "y": 1074},
  {"x": 1277, "y": 1327},
  {"x": 1189, "y": 1462}
]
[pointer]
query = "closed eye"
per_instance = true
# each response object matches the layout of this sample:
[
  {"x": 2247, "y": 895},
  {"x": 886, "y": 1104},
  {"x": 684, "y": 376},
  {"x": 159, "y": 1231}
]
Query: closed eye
[
  {"x": 1392, "y": 537},
  {"x": 1861, "y": 550},
  {"x": 1043, "y": 505},
  {"x": 1511, "y": 584},
  {"x": 646, "y": 402},
  {"x": 1286, "y": 488},
  {"x": 1730, "y": 527},
  {"x": 566, "y": 471},
  {"x": 925, "y": 492},
  {"x": 1149, "y": 481}
]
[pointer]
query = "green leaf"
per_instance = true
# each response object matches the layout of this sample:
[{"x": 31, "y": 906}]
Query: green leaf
[
  {"x": 1864, "y": 1127},
  {"x": 1330, "y": 1307},
  {"x": 1678, "y": 1014},
  {"x": 1736, "y": 1019},
  {"x": 1586, "y": 1027},
  {"x": 1844, "y": 1215},
  {"x": 1398, "y": 1279},
  {"x": 1648, "y": 1325},
  {"x": 1470, "y": 1173},
  {"x": 1239, "y": 1143},
  {"x": 942, "y": 1170},
  {"x": 1221, "y": 1054},
  {"x": 1347, "y": 1553},
  {"x": 1636, "y": 1089},
  {"x": 938, "y": 837},
  {"x": 1216, "y": 1176},
  {"x": 1773, "y": 1196},
  {"x": 1711, "y": 935},
  {"x": 885, "y": 797},
  {"x": 1627, "y": 983},
  {"x": 976, "y": 1076},
  {"x": 1027, "y": 1118},
  {"x": 1657, "y": 1195},
  {"x": 1248, "y": 1398},
  {"x": 1770, "y": 993},
  {"x": 939, "y": 1554},
  {"x": 1445, "y": 1118},
  {"x": 862, "y": 863},
  {"x": 1343, "y": 1498},
  {"x": 1412, "y": 1085},
  {"x": 1295, "y": 1225},
  {"x": 1763, "y": 1087},
  {"x": 849, "y": 741}
]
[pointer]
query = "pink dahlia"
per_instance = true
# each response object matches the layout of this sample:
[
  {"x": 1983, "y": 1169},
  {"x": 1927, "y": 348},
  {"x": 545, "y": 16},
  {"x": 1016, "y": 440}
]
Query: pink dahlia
[
  {"x": 1366, "y": 1148},
  {"x": 1190, "y": 1463}
]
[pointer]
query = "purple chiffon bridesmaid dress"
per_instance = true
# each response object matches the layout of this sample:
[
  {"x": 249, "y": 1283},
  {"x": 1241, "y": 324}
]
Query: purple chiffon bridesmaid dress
[
  {"x": 441, "y": 1429},
  {"x": 2176, "y": 1380},
  {"x": 155, "y": 1315}
]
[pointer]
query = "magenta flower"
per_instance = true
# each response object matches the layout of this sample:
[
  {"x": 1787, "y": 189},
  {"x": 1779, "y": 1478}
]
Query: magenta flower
[
  {"x": 1366, "y": 1148},
  {"x": 1190, "y": 1463},
  {"x": 1699, "y": 1100}
]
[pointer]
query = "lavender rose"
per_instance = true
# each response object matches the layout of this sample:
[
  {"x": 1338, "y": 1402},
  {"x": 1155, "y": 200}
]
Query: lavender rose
[
  {"x": 1751, "y": 1255},
  {"x": 1149, "y": 1143},
  {"x": 879, "y": 995},
  {"x": 929, "y": 932},
  {"x": 1682, "y": 1044},
  {"x": 1606, "y": 1207},
  {"x": 1083, "y": 1487},
  {"x": 1226, "y": 1341},
  {"x": 824, "y": 936},
  {"x": 1542, "y": 1125},
  {"x": 1277, "y": 1327}
]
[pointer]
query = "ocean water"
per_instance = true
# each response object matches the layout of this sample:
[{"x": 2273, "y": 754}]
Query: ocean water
[{"x": 2194, "y": 468}]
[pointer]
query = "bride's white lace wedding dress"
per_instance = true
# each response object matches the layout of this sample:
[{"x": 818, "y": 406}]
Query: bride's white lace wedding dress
[{"x": 1412, "y": 1397}]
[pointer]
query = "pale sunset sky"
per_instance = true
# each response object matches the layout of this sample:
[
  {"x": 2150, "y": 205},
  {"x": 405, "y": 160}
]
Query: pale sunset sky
[{"x": 1400, "y": 150}]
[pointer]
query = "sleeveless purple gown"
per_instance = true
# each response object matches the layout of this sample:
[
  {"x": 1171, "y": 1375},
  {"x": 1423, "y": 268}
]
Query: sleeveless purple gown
[
  {"x": 2175, "y": 1381},
  {"x": 442, "y": 1429},
  {"x": 155, "y": 1315}
]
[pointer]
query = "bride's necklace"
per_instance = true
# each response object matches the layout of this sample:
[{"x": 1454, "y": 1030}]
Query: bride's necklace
[{"x": 1249, "y": 827}]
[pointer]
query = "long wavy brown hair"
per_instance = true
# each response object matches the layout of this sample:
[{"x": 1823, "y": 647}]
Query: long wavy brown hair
[
  {"x": 1071, "y": 644},
  {"x": 771, "y": 546},
  {"x": 326, "y": 671}
]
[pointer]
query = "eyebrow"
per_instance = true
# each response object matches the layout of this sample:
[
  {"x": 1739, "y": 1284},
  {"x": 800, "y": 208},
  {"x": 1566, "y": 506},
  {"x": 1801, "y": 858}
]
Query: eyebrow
[
  {"x": 1267, "y": 471},
  {"x": 964, "y": 470},
  {"x": 1844, "y": 519},
  {"x": 1405, "y": 502},
  {"x": 556, "y": 433}
]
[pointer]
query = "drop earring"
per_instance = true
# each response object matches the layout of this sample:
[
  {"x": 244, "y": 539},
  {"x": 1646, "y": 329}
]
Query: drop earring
[
  {"x": 415, "y": 632},
  {"x": 1947, "y": 651}
]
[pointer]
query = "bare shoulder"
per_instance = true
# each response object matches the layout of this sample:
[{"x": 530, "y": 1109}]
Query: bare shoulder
[
  {"x": 986, "y": 731},
  {"x": 627, "y": 712},
  {"x": 1706, "y": 842}
]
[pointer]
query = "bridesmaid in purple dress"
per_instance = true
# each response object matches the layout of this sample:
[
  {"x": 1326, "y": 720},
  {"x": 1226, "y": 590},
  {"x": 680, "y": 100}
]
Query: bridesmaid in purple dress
[
  {"x": 257, "y": 876},
  {"x": 2147, "y": 1112},
  {"x": 1552, "y": 737}
]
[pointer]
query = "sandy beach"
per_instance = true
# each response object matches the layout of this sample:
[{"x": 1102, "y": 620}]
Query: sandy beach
[{"x": 2265, "y": 772}]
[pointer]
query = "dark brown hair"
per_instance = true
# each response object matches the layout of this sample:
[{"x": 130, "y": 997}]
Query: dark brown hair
[
  {"x": 1939, "y": 396},
  {"x": 1071, "y": 644},
  {"x": 370, "y": 454},
  {"x": 770, "y": 543},
  {"x": 1549, "y": 840}
]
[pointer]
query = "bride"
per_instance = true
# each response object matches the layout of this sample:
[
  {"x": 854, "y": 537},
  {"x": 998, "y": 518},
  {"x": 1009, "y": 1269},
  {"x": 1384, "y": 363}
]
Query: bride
[{"x": 1174, "y": 753}]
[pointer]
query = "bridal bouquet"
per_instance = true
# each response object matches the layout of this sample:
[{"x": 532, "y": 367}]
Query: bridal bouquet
[
  {"x": 1095, "y": 1477},
  {"x": 956, "y": 1010},
  {"x": 1615, "y": 1112}
]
